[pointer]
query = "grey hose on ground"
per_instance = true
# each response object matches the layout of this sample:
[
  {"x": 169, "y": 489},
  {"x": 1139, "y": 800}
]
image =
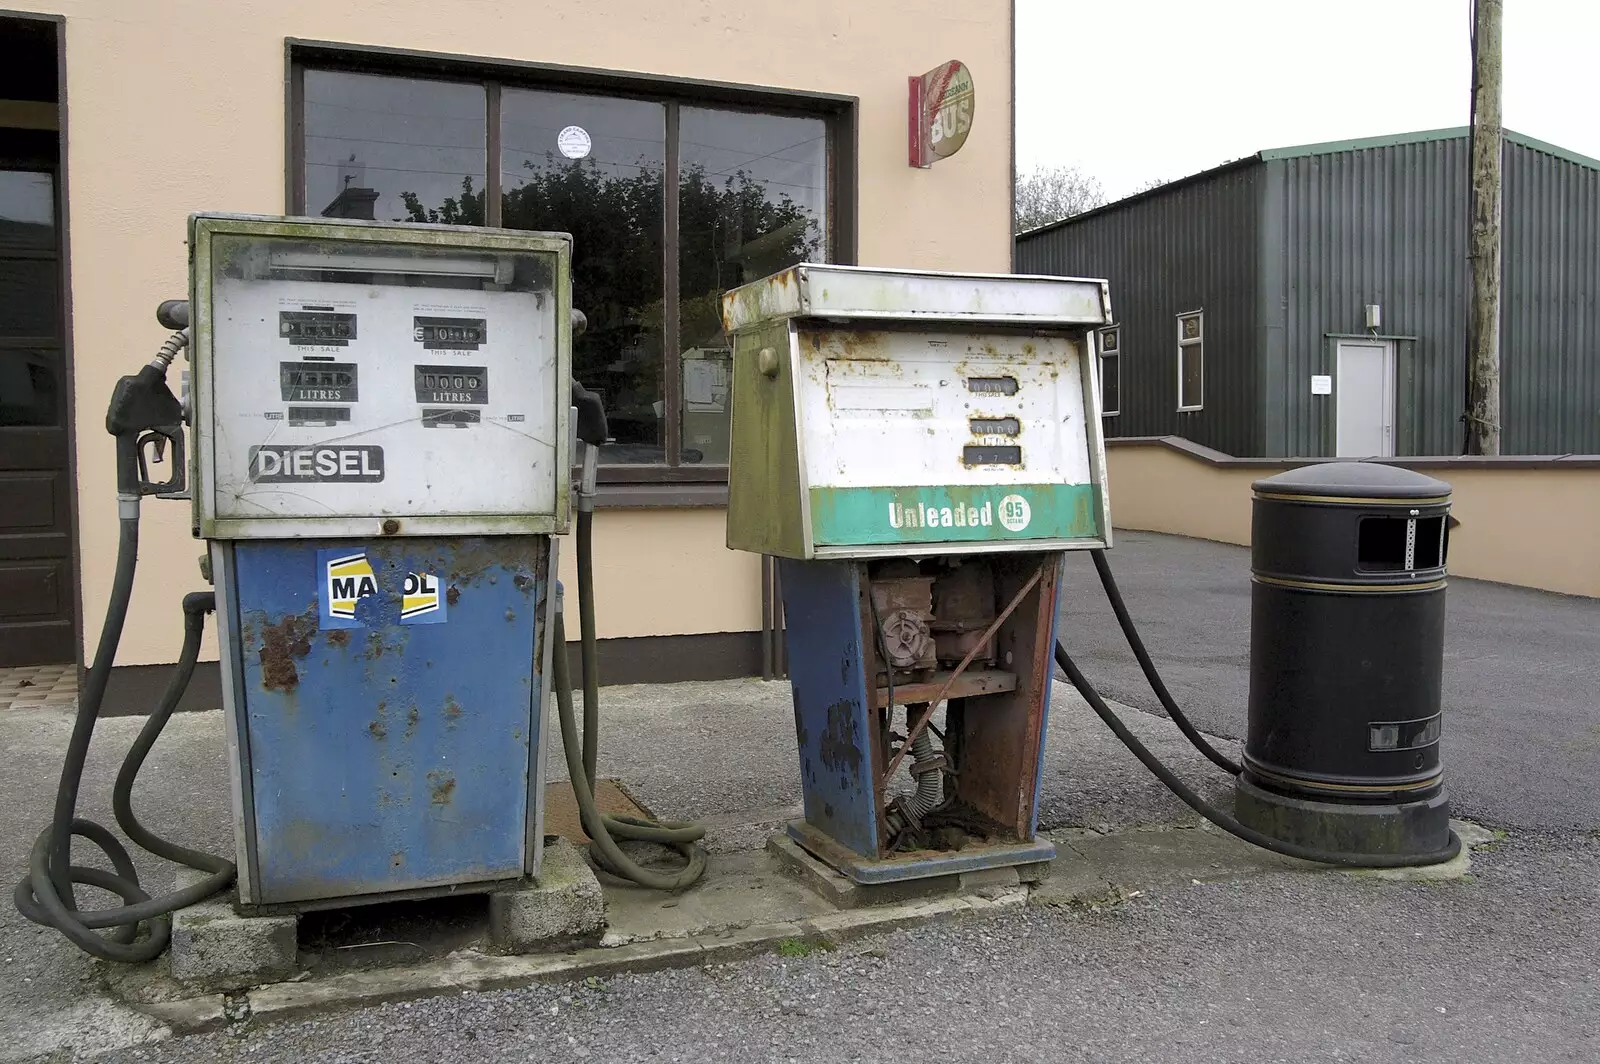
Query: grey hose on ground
[
  {"x": 1227, "y": 823},
  {"x": 604, "y": 830},
  {"x": 46, "y": 895}
]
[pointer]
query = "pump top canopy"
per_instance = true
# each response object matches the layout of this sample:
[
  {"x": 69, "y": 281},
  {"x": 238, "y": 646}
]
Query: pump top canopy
[{"x": 811, "y": 290}]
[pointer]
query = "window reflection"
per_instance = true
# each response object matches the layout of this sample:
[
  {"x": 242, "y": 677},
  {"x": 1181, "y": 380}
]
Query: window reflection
[
  {"x": 394, "y": 149},
  {"x": 28, "y": 268},
  {"x": 601, "y": 182},
  {"x": 752, "y": 200}
]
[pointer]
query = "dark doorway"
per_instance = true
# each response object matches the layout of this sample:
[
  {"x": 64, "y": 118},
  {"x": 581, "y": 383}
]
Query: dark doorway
[{"x": 37, "y": 588}]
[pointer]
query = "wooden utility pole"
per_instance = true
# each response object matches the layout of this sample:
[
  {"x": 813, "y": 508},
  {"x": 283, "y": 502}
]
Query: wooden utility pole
[{"x": 1483, "y": 324}]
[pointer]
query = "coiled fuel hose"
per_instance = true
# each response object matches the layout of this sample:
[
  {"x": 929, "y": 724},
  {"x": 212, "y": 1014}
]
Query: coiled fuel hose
[
  {"x": 603, "y": 829},
  {"x": 46, "y": 895},
  {"x": 1182, "y": 790}
]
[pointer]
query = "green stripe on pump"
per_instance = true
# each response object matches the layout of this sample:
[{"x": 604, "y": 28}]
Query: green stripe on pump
[{"x": 953, "y": 513}]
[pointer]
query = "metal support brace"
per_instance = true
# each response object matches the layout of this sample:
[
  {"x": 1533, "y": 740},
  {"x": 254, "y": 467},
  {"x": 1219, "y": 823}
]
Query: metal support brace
[{"x": 988, "y": 633}]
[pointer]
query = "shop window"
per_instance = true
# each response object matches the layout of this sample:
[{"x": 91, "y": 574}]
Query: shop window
[
  {"x": 670, "y": 200},
  {"x": 1111, "y": 372},
  {"x": 393, "y": 149},
  {"x": 1191, "y": 361}
]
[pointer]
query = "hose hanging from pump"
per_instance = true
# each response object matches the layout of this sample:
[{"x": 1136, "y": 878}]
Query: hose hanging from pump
[
  {"x": 582, "y": 756},
  {"x": 142, "y": 410},
  {"x": 1182, "y": 790}
]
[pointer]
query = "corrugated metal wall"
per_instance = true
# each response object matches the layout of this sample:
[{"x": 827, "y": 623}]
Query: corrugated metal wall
[
  {"x": 1550, "y": 310},
  {"x": 1285, "y": 254},
  {"x": 1385, "y": 226},
  {"x": 1191, "y": 247}
]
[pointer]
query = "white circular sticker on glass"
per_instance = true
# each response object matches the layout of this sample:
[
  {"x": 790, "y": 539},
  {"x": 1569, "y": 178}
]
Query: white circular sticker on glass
[
  {"x": 1015, "y": 513},
  {"x": 574, "y": 142}
]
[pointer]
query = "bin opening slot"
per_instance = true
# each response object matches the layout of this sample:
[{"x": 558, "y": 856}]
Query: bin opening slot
[{"x": 1399, "y": 544}]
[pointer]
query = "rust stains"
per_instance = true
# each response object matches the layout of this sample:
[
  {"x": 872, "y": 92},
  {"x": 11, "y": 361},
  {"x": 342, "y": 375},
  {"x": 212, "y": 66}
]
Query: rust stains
[
  {"x": 452, "y": 709},
  {"x": 397, "y": 860},
  {"x": 441, "y": 787},
  {"x": 453, "y": 595},
  {"x": 840, "y": 746},
  {"x": 378, "y": 729},
  {"x": 523, "y": 581},
  {"x": 281, "y": 644},
  {"x": 339, "y": 637},
  {"x": 413, "y": 715}
]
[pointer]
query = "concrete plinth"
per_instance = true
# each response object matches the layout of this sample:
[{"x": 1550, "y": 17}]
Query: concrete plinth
[
  {"x": 563, "y": 906},
  {"x": 1418, "y": 827},
  {"x": 216, "y": 949},
  {"x": 845, "y": 893}
]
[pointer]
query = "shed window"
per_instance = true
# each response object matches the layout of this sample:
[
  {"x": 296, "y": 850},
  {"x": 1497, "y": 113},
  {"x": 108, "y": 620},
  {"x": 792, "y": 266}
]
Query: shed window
[
  {"x": 1111, "y": 372},
  {"x": 671, "y": 197},
  {"x": 1191, "y": 360}
]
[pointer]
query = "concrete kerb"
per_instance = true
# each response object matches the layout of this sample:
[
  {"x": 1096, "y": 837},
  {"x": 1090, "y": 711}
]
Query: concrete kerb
[
  {"x": 470, "y": 972},
  {"x": 1092, "y": 870}
]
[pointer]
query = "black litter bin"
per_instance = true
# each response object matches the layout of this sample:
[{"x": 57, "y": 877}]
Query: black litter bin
[{"x": 1346, "y": 656}]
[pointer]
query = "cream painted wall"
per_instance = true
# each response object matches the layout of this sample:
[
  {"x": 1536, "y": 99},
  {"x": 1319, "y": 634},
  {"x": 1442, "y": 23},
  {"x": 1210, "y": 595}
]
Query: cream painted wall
[
  {"x": 175, "y": 106},
  {"x": 1534, "y": 527},
  {"x": 666, "y": 572}
]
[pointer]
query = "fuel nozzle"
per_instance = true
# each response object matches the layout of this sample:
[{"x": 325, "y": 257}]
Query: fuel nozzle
[
  {"x": 145, "y": 416},
  {"x": 591, "y": 430}
]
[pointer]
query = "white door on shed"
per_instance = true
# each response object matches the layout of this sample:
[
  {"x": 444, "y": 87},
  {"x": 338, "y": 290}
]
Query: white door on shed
[{"x": 1363, "y": 396}]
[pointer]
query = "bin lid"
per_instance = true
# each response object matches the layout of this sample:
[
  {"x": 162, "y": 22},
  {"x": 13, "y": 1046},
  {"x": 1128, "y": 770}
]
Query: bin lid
[{"x": 1363, "y": 480}]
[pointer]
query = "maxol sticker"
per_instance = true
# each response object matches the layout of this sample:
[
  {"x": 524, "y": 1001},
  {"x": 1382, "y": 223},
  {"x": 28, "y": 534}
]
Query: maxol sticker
[
  {"x": 347, "y": 576},
  {"x": 421, "y": 602}
]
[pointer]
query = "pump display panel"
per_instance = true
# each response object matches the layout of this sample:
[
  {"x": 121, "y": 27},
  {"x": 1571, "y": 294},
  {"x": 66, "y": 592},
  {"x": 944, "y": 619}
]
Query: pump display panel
[{"x": 413, "y": 376}]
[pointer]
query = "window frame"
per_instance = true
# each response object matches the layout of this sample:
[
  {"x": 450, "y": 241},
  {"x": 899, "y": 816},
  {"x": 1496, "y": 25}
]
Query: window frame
[
  {"x": 1196, "y": 341},
  {"x": 702, "y": 484},
  {"x": 1114, "y": 357}
]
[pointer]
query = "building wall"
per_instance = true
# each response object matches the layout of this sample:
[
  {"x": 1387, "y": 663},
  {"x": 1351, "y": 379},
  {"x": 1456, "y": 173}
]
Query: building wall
[
  {"x": 1189, "y": 247},
  {"x": 175, "y": 106},
  {"x": 1165, "y": 486},
  {"x": 1388, "y": 225},
  {"x": 1550, "y": 313},
  {"x": 1382, "y": 225}
]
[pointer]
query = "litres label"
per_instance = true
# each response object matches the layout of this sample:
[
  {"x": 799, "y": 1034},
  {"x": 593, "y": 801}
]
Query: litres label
[
  {"x": 452, "y": 384},
  {"x": 288, "y": 464},
  {"x": 317, "y": 382}
]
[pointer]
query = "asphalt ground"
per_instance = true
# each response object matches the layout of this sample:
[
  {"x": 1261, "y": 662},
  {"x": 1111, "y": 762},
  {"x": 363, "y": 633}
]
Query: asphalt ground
[
  {"x": 1290, "y": 967},
  {"x": 1521, "y": 743},
  {"x": 1282, "y": 966}
]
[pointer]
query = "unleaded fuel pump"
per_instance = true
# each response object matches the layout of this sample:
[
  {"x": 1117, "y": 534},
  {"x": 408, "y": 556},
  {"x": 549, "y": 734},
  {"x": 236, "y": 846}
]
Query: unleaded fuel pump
[{"x": 918, "y": 450}]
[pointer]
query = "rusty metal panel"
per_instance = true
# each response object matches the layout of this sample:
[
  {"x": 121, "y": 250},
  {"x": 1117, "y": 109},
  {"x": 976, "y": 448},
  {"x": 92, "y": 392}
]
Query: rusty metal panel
[
  {"x": 390, "y": 710},
  {"x": 1001, "y": 735},
  {"x": 968, "y": 440},
  {"x": 862, "y": 292},
  {"x": 835, "y": 725}
]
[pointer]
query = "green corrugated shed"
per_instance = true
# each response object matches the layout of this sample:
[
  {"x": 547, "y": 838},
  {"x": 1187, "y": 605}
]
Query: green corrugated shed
[{"x": 1284, "y": 249}]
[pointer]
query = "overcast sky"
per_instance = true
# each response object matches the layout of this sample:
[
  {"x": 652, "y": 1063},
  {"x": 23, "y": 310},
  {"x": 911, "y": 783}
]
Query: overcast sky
[{"x": 1134, "y": 90}]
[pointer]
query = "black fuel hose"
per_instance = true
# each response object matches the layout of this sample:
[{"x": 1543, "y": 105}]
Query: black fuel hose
[
  {"x": 1136, "y": 644},
  {"x": 603, "y": 830},
  {"x": 1223, "y": 820},
  {"x": 46, "y": 894}
]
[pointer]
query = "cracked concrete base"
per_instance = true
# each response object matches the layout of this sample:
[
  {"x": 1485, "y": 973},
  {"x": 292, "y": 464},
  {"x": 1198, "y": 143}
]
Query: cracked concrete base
[
  {"x": 1094, "y": 869},
  {"x": 749, "y": 903}
]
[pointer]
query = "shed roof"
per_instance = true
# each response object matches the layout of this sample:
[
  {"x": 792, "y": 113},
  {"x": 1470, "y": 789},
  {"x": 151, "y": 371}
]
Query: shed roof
[{"x": 1331, "y": 147}]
